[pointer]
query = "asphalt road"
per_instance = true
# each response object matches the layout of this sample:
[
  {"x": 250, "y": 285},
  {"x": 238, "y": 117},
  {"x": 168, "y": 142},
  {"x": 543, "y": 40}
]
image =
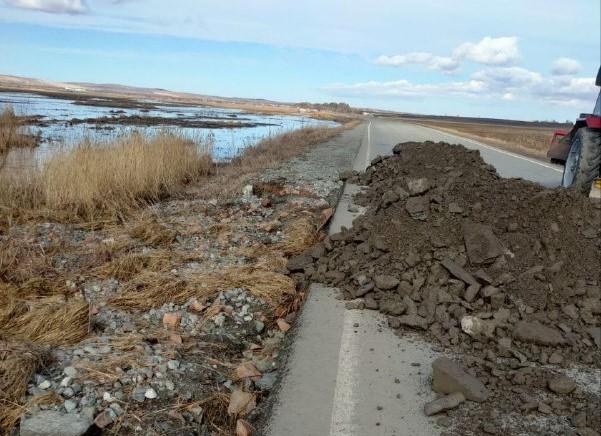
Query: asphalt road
[
  {"x": 387, "y": 132},
  {"x": 348, "y": 374}
]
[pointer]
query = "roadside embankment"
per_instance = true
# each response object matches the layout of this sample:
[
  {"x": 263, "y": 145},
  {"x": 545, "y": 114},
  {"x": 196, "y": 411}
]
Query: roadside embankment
[{"x": 153, "y": 297}]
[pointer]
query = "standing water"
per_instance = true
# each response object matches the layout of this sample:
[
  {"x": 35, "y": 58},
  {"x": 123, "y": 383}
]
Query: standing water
[{"x": 64, "y": 123}]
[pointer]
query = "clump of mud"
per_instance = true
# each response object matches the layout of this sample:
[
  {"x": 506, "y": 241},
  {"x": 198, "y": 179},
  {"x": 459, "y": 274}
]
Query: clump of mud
[{"x": 502, "y": 272}]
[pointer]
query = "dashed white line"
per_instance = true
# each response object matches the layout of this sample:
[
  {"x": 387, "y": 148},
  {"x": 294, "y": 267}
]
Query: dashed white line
[{"x": 343, "y": 408}]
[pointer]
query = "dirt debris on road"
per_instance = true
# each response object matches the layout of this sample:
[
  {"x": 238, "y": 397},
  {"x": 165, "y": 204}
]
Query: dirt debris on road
[{"x": 502, "y": 273}]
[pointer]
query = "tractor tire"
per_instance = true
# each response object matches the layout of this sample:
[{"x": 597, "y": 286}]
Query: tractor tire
[{"x": 584, "y": 158}]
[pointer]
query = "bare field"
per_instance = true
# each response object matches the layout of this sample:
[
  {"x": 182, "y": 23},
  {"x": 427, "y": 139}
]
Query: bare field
[{"x": 532, "y": 141}]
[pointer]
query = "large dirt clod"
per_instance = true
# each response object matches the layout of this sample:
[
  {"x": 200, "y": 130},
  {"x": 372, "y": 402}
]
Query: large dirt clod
[{"x": 449, "y": 377}]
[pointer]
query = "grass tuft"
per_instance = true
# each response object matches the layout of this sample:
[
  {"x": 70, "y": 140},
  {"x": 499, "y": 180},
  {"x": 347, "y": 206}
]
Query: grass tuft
[
  {"x": 12, "y": 132},
  {"x": 18, "y": 363},
  {"x": 298, "y": 236},
  {"x": 151, "y": 290},
  {"x": 95, "y": 180},
  {"x": 48, "y": 321}
]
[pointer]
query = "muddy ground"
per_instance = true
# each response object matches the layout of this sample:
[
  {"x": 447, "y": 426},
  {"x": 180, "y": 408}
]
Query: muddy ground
[
  {"x": 119, "y": 119},
  {"x": 503, "y": 274}
]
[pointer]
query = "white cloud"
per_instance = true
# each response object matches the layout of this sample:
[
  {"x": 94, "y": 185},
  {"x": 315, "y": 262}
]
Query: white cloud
[
  {"x": 565, "y": 66},
  {"x": 440, "y": 63},
  {"x": 508, "y": 77},
  {"x": 490, "y": 51},
  {"x": 509, "y": 84},
  {"x": 51, "y": 6}
]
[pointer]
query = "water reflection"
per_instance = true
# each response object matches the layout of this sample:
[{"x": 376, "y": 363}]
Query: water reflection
[{"x": 59, "y": 132}]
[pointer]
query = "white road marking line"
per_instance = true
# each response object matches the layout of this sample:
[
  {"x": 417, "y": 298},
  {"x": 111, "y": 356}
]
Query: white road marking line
[
  {"x": 343, "y": 408},
  {"x": 508, "y": 153}
]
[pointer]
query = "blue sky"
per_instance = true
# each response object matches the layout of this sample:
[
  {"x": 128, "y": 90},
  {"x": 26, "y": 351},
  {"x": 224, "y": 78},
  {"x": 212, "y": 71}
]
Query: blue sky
[{"x": 524, "y": 59}]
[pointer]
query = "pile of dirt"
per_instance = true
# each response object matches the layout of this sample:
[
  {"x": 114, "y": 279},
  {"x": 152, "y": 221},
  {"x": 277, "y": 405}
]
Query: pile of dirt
[{"x": 501, "y": 272}]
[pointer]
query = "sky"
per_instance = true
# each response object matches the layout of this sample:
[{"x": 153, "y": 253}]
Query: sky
[{"x": 519, "y": 59}]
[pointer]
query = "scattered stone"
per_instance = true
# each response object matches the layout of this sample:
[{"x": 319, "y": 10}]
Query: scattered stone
[
  {"x": 241, "y": 403},
  {"x": 267, "y": 381},
  {"x": 298, "y": 263},
  {"x": 173, "y": 364},
  {"x": 54, "y": 423},
  {"x": 283, "y": 325},
  {"x": 458, "y": 272},
  {"x": 544, "y": 408},
  {"x": 417, "y": 208},
  {"x": 555, "y": 358},
  {"x": 562, "y": 385},
  {"x": 489, "y": 291},
  {"x": 45, "y": 385},
  {"x": 386, "y": 282},
  {"x": 259, "y": 326},
  {"x": 151, "y": 394},
  {"x": 247, "y": 370},
  {"x": 476, "y": 327},
  {"x": 171, "y": 320},
  {"x": 449, "y": 377},
  {"x": 414, "y": 321},
  {"x": 104, "y": 419},
  {"x": 444, "y": 403},
  {"x": 537, "y": 333},
  {"x": 389, "y": 197},
  {"x": 481, "y": 244},
  {"x": 70, "y": 405},
  {"x": 471, "y": 292},
  {"x": 70, "y": 371},
  {"x": 243, "y": 428},
  {"x": 418, "y": 186}
]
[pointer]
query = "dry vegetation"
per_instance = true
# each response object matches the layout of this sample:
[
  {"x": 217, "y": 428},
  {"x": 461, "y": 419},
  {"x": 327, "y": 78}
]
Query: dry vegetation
[
  {"x": 230, "y": 178},
  {"x": 114, "y": 183},
  {"x": 527, "y": 140},
  {"x": 12, "y": 133},
  {"x": 107, "y": 179}
]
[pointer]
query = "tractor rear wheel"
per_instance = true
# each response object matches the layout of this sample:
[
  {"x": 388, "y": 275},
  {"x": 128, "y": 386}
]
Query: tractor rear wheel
[{"x": 582, "y": 163}]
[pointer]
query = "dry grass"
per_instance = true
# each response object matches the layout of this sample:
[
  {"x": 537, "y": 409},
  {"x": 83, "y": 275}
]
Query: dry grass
[
  {"x": 18, "y": 363},
  {"x": 298, "y": 236},
  {"x": 130, "y": 264},
  {"x": 528, "y": 140},
  {"x": 150, "y": 290},
  {"x": 20, "y": 262},
  {"x": 107, "y": 179},
  {"x": 48, "y": 321},
  {"x": 153, "y": 233},
  {"x": 12, "y": 133}
]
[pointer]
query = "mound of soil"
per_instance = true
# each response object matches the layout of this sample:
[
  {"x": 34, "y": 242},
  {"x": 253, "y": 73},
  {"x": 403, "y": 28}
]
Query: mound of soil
[{"x": 502, "y": 272}]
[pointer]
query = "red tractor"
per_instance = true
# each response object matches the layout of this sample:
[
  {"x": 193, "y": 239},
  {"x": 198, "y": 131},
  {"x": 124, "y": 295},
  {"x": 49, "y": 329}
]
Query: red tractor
[{"x": 579, "y": 150}]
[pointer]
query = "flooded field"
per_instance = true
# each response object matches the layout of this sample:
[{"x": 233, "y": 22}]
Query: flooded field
[{"x": 64, "y": 123}]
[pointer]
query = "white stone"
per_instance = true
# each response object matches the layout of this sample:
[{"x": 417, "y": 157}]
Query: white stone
[
  {"x": 247, "y": 191},
  {"x": 151, "y": 394},
  {"x": 69, "y": 371}
]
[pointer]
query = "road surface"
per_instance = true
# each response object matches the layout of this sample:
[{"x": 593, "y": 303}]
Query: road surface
[{"x": 348, "y": 374}]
